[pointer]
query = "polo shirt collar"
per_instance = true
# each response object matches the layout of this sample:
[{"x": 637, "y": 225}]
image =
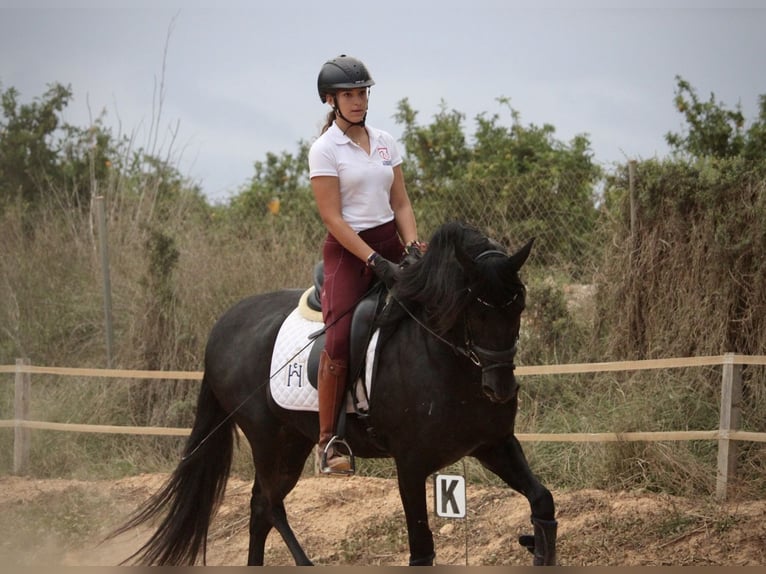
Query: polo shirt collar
[{"x": 339, "y": 137}]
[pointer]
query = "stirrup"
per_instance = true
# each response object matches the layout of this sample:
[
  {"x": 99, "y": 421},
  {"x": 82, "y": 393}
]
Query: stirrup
[{"x": 335, "y": 442}]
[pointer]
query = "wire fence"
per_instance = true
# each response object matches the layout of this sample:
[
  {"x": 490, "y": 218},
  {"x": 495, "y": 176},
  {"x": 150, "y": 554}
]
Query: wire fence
[{"x": 561, "y": 212}]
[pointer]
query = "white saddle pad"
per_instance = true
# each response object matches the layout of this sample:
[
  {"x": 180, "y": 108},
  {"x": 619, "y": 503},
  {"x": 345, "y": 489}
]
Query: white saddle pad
[{"x": 289, "y": 382}]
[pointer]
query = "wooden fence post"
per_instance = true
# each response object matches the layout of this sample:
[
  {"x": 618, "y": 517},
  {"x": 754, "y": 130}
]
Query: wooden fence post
[
  {"x": 21, "y": 435},
  {"x": 731, "y": 397},
  {"x": 103, "y": 247}
]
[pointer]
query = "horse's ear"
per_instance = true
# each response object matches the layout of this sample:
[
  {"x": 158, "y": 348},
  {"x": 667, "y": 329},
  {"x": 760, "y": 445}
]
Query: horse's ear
[{"x": 520, "y": 257}]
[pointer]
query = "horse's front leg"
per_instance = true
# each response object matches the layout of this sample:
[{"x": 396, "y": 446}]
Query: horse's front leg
[
  {"x": 412, "y": 490},
  {"x": 507, "y": 461}
]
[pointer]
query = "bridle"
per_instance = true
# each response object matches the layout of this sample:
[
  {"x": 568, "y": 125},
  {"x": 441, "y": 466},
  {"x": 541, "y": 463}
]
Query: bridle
[
  {"x": 485, "y": 359},
  {"x": 512, "y": 300}
]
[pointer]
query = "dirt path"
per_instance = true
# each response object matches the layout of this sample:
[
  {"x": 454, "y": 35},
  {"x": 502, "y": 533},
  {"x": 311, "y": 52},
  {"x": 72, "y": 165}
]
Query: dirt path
[{"x": 359, "y": 521}]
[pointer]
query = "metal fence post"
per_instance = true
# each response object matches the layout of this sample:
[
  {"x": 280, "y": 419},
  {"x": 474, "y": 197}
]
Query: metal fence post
[
  {"x": 21, "y": 435},
  {"x": 730, "y": 419}
]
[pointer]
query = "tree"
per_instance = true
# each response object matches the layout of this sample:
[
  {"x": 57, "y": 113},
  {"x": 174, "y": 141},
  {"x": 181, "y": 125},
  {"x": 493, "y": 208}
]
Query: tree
[
  {"x": 437, "y": 153},
  {"x": 280, "y": 187},
  {"x": 712, "y": 130},
  {"x": 755, "y": 139},
  {"x": 28, "y": 155},
  {"x": 45, "y": 160},
  {"x": 277, "y": 210}
]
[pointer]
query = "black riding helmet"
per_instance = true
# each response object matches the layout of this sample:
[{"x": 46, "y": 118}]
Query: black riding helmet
[{"x": 342, "y": 73}]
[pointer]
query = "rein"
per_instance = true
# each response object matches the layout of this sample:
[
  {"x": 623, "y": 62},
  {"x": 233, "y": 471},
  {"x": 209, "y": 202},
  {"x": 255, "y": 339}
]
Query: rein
[{"x": 486, "y": 359}]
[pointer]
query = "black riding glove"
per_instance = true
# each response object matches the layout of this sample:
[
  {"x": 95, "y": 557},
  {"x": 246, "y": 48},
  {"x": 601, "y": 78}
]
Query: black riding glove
[
  {"x": 384, "y": 270},
  {"x": 415, "y": 249},
  {"x": 413, "y": 252}
]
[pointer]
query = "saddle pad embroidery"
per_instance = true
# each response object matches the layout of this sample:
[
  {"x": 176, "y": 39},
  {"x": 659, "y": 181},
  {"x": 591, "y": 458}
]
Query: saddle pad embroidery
[{"x": 289, "y": 382}]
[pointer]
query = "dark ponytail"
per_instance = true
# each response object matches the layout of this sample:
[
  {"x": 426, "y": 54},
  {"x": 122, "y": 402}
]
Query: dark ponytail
[{"x": 329, "y": 121}]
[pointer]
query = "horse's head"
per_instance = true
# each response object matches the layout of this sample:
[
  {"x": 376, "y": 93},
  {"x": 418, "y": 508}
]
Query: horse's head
[
  {"x": 493, "y": 317},
  {"x": 469, "y": 293}
]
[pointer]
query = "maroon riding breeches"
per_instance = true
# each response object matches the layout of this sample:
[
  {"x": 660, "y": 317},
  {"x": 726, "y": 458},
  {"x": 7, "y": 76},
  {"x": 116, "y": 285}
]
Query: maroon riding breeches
[{"x": 346, "y": 279}]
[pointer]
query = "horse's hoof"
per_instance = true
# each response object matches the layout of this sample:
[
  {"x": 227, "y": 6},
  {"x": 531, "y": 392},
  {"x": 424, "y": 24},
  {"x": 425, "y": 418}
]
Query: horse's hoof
[{"x": 528, "y": 542}]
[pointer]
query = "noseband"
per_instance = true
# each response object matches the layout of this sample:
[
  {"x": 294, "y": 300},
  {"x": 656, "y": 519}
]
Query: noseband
[{"x": 487, "y": 359}]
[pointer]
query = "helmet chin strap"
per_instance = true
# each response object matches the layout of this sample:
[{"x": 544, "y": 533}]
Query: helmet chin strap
[{"x": 345, "y": 119}]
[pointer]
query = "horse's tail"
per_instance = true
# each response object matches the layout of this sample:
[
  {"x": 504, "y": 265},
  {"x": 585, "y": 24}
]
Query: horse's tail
[{"x": 192, "y": 494}]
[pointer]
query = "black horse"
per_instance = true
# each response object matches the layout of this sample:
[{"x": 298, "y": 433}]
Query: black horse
[{"x": 444, "y": 388}]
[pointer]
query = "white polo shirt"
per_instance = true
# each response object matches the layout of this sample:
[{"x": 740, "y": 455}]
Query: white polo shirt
[{"x": 365, "y": 180}]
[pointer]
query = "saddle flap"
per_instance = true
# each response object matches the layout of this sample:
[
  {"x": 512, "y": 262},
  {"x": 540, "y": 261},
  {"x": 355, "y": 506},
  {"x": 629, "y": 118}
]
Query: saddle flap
[
  {"x": 362, "y": 326},
  {"x": 314, "y": 299}
]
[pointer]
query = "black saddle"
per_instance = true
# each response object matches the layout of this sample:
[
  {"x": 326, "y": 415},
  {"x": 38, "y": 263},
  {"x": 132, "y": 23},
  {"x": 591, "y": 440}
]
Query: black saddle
[
  {"x": 314, "y": 299},
  {"x": 362, "y": 324}
]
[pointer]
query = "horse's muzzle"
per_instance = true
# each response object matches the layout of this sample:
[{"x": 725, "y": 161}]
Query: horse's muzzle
[{"x": 498, "y": 383}]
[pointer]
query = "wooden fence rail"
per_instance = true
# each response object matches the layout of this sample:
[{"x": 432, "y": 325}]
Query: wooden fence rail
[{"x": 727, "y": 434}]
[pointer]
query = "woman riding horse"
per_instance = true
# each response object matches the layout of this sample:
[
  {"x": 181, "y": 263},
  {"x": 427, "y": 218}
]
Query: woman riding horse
[{"x": 443, "y": 388}]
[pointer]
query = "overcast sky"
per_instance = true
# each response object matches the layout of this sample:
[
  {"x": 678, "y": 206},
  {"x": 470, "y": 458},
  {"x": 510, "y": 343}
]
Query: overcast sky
[{"x": 240, "y": 75}]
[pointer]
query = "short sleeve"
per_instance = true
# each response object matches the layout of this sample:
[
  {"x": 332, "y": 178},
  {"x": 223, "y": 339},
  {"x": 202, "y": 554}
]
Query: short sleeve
[
  {"x": 322, "y": 161},
  {"x": 396, "y": 157}
]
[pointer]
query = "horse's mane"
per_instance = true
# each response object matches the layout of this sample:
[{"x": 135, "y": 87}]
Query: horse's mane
[{"x": 436, "y": 286}]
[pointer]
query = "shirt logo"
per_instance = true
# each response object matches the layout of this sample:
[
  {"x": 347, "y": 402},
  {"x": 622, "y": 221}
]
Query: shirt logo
[{"x": 384, "y": 155}]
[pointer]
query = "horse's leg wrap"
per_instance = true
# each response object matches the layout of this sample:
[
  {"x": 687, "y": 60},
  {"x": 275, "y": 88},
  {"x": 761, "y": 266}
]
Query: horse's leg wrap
[
  {"x": 545, "y": 542},
  {"x": 331, "y": 388},
  {"x": 424, "y": 561}
]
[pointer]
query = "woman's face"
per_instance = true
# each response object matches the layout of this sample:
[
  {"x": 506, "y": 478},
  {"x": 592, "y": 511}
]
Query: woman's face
[{"x": 353, "y": 103}]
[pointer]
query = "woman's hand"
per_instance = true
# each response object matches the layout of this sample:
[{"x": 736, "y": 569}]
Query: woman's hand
[{"x": 384, "y": 269}]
